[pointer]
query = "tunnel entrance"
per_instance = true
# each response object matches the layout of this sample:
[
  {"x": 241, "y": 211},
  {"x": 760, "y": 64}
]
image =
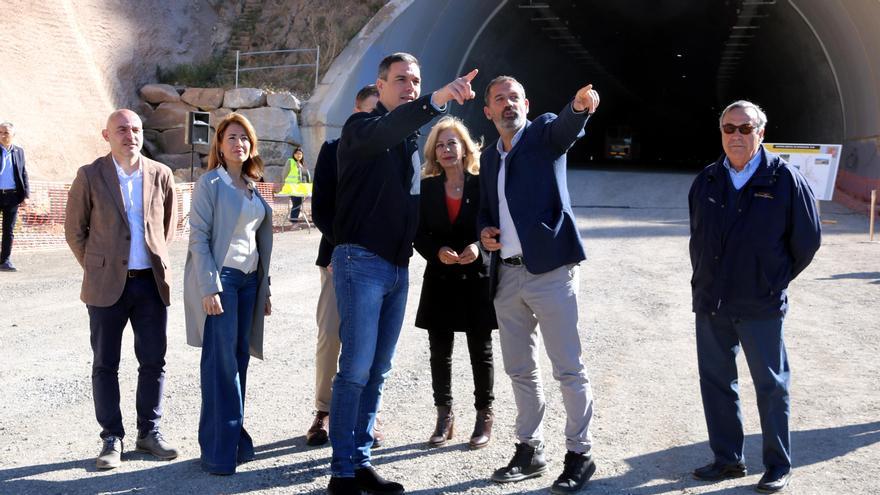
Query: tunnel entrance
[{"x": 665, "y": 70}]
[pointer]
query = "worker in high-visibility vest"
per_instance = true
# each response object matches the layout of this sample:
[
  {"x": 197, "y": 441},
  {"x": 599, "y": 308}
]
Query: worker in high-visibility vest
[{"x": 292, "y": 177}]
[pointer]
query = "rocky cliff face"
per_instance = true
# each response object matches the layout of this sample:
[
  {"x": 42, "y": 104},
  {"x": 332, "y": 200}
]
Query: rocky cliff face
[{"x": 68, "y": 64}]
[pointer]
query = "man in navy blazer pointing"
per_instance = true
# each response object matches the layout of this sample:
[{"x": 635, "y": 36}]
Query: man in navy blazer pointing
[{"x": 526, "y": 217}]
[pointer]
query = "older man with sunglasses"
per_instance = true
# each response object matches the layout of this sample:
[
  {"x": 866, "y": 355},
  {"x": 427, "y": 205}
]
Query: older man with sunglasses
[{"x": 754, "y": 228}]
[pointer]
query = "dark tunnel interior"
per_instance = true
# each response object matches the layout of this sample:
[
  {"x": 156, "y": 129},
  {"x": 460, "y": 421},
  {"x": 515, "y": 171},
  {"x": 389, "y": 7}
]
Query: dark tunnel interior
[{"x": 665, "y": 69}]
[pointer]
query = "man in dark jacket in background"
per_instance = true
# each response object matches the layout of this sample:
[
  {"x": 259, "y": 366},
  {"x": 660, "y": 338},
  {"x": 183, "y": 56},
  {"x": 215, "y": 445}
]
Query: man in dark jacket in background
[
  {"x": 377, "y": 204},
  {"x": 14, "y": 190},
  {"x": 754, "y": 228},
  {"x": 327, "y": 316}
]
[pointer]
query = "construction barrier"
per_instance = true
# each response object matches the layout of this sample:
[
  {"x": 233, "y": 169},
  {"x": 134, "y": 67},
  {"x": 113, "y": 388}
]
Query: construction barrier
[{"x": 40, "y": 223}]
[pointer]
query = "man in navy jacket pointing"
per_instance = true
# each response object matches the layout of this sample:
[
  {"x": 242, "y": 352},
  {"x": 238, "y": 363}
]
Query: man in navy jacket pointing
[
  {"x": 526, "y": 216},
  {"x": 754, "y": 228}
]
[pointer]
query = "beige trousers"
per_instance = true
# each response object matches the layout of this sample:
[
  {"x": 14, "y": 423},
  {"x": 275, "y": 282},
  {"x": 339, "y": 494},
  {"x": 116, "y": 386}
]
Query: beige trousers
[{"x": 327, "y": 351}]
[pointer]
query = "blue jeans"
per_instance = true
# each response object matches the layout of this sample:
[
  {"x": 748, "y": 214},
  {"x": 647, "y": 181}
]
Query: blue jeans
[
  {"x": 225, "y": 357},
  {"x": 718, "y": 343},
  {"x": 371, "y": 297}
]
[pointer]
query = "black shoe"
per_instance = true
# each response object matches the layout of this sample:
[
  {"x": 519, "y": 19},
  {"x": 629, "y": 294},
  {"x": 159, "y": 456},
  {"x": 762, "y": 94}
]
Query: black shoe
[
  {"x": 527, "y": 462},
  {"x": 343, "y": 486},
  {"x": 577, "y": 471},
  {"x": 370, "y": 482},
  {"x": 773, "y": 482},
  {"x": 717, "y": 471},
  {"x": 7, "y": 266}
]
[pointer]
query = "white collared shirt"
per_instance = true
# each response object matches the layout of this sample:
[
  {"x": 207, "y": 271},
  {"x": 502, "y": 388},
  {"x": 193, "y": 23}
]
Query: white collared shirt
[
  {"x": 242, "y": 253},
  {"x": 132, "y": 187},
  {"x": 7, "y": 179},
  {"x": 510, "y": 244}
]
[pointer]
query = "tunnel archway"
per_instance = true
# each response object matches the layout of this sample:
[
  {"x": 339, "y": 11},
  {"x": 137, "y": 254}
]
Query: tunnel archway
[{"x": 665, "y": 69}]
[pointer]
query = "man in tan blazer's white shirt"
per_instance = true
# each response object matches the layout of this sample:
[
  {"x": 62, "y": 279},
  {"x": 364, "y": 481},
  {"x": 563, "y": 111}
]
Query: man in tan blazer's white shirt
[{"x": 121, "y": 214}]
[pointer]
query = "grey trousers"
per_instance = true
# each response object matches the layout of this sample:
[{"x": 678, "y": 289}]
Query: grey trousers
[
  {"x": 522, "y": 301},
  {"x": 327, "y": 350}
]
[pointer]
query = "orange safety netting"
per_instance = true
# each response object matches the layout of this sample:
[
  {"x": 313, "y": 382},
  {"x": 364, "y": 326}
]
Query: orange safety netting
[{"x": 41, "y": 222}]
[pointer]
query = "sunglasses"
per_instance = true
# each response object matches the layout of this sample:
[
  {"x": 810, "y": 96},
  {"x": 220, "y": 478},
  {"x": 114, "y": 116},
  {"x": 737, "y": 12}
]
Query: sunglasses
[{"x": 744, "y": 129}]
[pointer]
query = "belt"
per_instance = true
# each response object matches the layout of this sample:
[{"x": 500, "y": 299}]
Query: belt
[
  {"x": 146, "y": 272},
  {"x": 8, "y": 191},
  {"x": 513, "y": 260}
]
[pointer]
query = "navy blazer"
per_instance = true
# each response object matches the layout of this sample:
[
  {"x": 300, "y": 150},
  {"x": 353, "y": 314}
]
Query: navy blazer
[
  {"x": 19, "y": 172},
  {"x": 537, "y": 191}
]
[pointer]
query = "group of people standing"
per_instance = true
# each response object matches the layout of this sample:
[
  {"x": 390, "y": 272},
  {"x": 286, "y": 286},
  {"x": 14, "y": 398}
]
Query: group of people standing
[{"x": 498, "y": 232}]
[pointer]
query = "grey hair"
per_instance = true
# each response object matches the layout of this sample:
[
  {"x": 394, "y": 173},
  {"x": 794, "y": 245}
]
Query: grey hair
[
  {"x": 762, "y": 117},
  {"x": 8, "y": 125}
]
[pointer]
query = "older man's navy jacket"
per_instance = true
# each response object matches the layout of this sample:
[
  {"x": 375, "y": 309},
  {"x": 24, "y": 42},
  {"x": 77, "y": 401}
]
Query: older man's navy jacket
[
  {"x": 377, "y": 190},
  {"x": 537, "y": 191},
  {"x": 746, "y": 246}
]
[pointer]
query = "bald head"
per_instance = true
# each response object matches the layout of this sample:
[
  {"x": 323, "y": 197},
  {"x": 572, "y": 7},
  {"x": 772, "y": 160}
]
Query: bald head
[{"x": 125, "y": 134}]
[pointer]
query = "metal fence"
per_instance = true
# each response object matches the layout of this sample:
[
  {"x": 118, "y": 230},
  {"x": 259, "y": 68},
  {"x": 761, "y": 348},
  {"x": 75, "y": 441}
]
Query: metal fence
[
  {"x": 239, "y": 54},
  {"x": 41, "y": 222}
]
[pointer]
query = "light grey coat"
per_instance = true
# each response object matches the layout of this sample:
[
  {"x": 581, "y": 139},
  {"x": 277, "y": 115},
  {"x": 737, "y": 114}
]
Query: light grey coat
[{"x": 214, "y": 214}]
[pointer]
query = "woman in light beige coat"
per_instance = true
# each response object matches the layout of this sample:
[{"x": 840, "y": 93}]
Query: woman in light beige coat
[{"x": 226, "y": 288}]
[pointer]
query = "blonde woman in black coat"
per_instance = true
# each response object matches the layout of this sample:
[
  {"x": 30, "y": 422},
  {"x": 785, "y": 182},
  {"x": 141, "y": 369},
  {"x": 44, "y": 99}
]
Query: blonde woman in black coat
[{"x": 455, "y": 292}]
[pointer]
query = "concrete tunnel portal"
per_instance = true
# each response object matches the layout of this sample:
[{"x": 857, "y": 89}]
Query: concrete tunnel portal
[{"x": 665, "y": 69}]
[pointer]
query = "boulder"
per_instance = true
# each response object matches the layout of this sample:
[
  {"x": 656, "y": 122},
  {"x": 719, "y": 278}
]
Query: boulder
[
  {"x": 172, "y": 141},
  {"x": 143, "y": 109},
  {"x": 285, "y": 100},
  {"x": 272, "y": 173},
  {"x": 182, "y": 176},
  {"x": 206, "y": 99},
  {"x": 159, "y": 93},
  {"x": 275, "y": 153},
  {"x": 169, "y": 115},
  {"x": 177, "y": 161},
  {"x": 151, "y": 139},
  {"x": 274, "y": 124},
  {"x": 244, "y": 98},
  {"x": 218, "y": 115}
]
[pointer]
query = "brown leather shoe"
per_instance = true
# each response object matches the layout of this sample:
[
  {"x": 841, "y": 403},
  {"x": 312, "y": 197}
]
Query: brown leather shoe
[
  {"x": 482, "y": 429},
  {"x": 318, "y": 434},
  {"x": 444, "y": 428},
  {"x": 378, "y": 432}
]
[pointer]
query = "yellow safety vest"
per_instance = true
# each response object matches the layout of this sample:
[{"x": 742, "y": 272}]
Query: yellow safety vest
[{"x": 292, "y": 185}]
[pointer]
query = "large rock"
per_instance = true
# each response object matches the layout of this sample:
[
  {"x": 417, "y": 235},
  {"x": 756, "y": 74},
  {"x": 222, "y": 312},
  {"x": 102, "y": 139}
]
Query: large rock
[
  {"x": 151, "y": 140},
  {"x": 274, "y": 124},
  {"x": 143, "y": 109},
  {"x": 182, "y": 176},
  {"x": 169, "y": 115},
  {"x": 206, "y": 99},
  {"x": 218, "y": 115},
  {"x": 178, "y": 161},
  {"x": 244, "y": 98},
  {"x": 172, "y": 141},
  {"x": 272, "y": 173},
  {"x": 285, "y": 100},
  {"x": 159, "y": 93},
  {"x": 275, "y": 153}
]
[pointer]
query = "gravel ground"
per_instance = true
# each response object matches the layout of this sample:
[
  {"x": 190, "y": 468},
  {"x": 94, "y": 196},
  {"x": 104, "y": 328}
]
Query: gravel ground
[{"x": 637, "y": 331}]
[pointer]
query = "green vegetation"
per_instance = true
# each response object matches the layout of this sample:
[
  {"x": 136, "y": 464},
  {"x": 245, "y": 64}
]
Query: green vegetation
[{"x": 205, "y": 74}]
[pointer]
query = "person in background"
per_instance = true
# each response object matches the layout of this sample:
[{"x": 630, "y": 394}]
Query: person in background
[
  {"x": 226, "y": 288},
  {"x": 455, "y": 291},
  {"x": 294, "y": 171},
  {"x": 14, "y": 190}
]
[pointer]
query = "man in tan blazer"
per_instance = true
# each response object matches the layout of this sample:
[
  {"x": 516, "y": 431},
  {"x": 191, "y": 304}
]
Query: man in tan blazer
[{"x": 121, "y": 214}]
